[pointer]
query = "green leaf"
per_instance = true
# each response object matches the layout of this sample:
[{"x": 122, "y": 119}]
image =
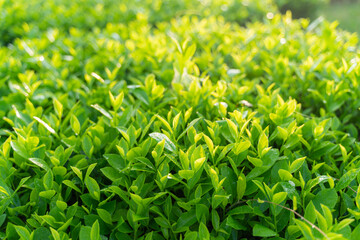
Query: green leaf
[
  {"x": 116, "y": 101},
  {"x": 191, "y": 124},
  {"x": 165, "y": 123},
  {"x": 75, "y": 124},
  {"x": 23, "y": 232},
  {"x": 215, "y": 220},
  {"x": 87, "y": 145},
  {"x": 203, "y": 232},
  {"x": 160, "y": 136},
  {"x": 149, "y": 236},
  {"x": 191, "y": 235},
  {"x": 241, "y": 210},
  {"x": 116, "y": 161},
  {"x": 111, "y": 173},
  {"x": 285, "y": 175},
  {"x": 355, "y": 235},
  {"x": 176, "y": 120},
  {"x": 235, "y": 224},
  {"x": 49, "y": 220},
  {"x": 90, "y": 169},
  {"x": 85, "y": 233},
  {"x": 61, "y": 205},
  {"x": 162, "y": 222},
  {"x": 327, "y": 197},
  {"x": 55, "y": 234},
  {"x": 146, "y": 161},
  {"x": 41, "y": 233},
  {"x": 95, "y": 231},
  {"x": 241, "y": 147},
  {"x": 47, "y": 194},
  {"x": 310, "y": 212},
  {"x": 297, "y": 164},
  {"x": 263, "y": 142},
  {"x": 77, "y": 172},
  {"x": 262, "y": 231},
  {"x": 279, "y": 197},
  {"x": 327, "y": 215},
  {"x": 2, "y": 219},
  {"x": 102, "y": 111},
  {"x": 48, "y": 180},
  {"x": 58, "y": 107},
  {"x": 187, "y": 174},
  {"x": 241, "y": 186},
  {"x": 347, "y": 178},
  {"x": 65, "y": 225},
  {"x": 209, "y": 144},
  {"x": 21, "y": 183},
  {"x": 217, "y": 199},
  {"x": 233, "y": 129},
  {"x": 344, "y": 223},
  {"x": 71, "y": 185},
  {"x": 321, "y": 222},
  {"x": 50, "y": 129},
  {"x": 104, "y": 215},
  {"x": 305, "y": 229},
  {"x": 19, "y": 149},
  {"x": 141, "y": 95},
  {"x": 93, "y": 188},
  {"x": 202, "y": 211},
  {"x": 198, "y": 163},
  {"x": 3, "y": 190},
  {"x": 186, "y": 220},
  {"x": 40, "y": 163},
  {"x": 255, "y": 161}
]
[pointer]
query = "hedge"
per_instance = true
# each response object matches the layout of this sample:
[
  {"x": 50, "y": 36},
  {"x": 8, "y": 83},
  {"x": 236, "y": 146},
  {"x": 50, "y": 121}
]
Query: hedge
[{"x": 130, "y": 121}]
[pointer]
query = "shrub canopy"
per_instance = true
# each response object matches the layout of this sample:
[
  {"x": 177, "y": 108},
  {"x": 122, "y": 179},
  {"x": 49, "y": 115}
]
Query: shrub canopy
[{"x": 176, "y": 120}]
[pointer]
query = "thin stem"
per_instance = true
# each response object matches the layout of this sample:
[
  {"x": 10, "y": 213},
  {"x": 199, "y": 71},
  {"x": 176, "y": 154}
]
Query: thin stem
[
  {"x": 286, "y": 208},
  {"x": 347, "y": 186}
]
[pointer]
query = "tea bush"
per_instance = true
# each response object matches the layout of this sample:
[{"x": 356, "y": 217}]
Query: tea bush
[
  {"x": 302, "y": 8},
  {"x": 134, "y": 122}
]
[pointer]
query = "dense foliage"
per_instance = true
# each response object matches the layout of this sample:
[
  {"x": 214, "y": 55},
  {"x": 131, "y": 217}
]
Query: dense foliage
[{"x": 170, "y": 120}]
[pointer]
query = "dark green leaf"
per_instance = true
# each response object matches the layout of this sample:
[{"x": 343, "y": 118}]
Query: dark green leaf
[{"x": 262, "y": 231}]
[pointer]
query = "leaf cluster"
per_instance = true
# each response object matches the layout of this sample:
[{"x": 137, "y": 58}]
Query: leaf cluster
[{"x": 140, "y": 122}]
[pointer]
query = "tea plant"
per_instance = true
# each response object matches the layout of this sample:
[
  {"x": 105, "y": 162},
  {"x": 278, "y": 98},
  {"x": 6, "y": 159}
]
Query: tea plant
[{"x": 154, "y": 122}]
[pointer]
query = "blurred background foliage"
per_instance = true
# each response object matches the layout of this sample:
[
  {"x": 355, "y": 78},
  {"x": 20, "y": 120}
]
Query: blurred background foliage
[
  {"x": 346, "y": 12},
  {"x": 301, "y": 8},
  {"x": 17, "y": 17},
  {"x": 85, "y": 16},
  {"x": 55, "y": 12}
]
